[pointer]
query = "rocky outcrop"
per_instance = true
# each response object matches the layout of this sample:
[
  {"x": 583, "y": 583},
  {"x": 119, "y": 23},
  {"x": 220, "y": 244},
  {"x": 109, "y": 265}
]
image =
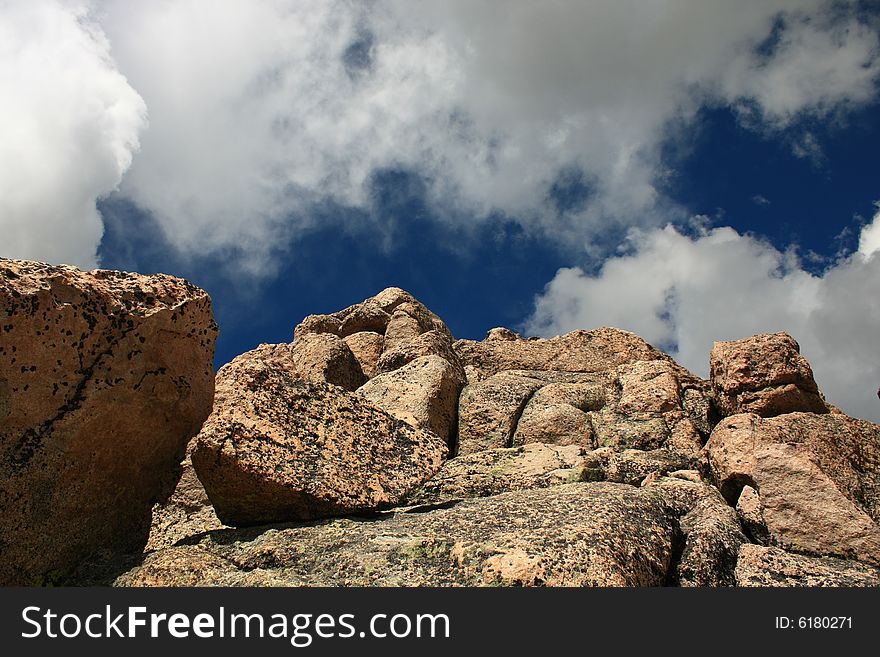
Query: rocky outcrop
[
  {"x": 768, "y": 566},
  {"x": 598, "y": 350},
  {"x": 407, "y": 328},
  {"x": 817, "y": 478},
  {"x": 642, "y": 405},
  {"x": 374, "y": 450},
  {"x": 765, "y": 375},
  {"x": 567, "y": 535},
  {"x": 489, "y": 411},
  {"x": 279, "y": 448},
  {"x": 423, "y": 393},
  {"x": 104, "y": 377}
]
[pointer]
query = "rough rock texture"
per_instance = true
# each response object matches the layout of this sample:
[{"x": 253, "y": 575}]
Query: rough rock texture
[
  {"x": 642, "y": 405},
  {"x": 493, "y": 471},
  {"x": 385, "y": 333},
  {"x": 632, "y": 466},
  {"x": 279, "y": 448},
  {"x": 324, "y": 357},
  {"x": 185, "y": 513},
  {"x": 567, "y": 535},
  {"x": 750, "y": 512},
  {"x": 104, "y": 377},
  {"x": 818, "y": 477},
  {"x": 423, "y": 393},
  {"x": 489, "y": 411},
  {"x": 367, "y": 348},
  {"x": 768, "y": 566},
  {"x": 557, "y": 414},
  {"x": 765, "y": 375},
  {"x": 579, "y": 351},
  {"x": 429, "y": 343}
]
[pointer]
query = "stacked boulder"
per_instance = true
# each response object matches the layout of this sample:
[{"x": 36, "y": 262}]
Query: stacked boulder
[
  {"x": 804, "y": 478},
  {"x": 586, "y": 459},
  {"x": 374, "y": 449}
]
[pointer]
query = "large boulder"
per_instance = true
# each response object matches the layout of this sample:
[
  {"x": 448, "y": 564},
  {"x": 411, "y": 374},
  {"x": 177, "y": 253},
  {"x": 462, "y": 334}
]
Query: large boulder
[
  {"x": 581, "y": 534},
  {"x": 489, "y": 411},
  {"x": 817, "y": 478},
  {"x": 764, "y": 374},
  {"x": 367, "y": 348},
  {"x": 279, "y": 448},
  {"x": 423, "y": 393},
  {"x": 324, "y": 357},
  {"x": 104, "y": 377}
]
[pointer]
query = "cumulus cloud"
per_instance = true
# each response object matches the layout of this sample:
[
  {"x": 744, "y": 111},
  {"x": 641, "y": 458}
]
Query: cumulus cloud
[
  {"x": 261, "y": 109},
  {"x": 69, "y": 124},
  {"x": 682, "y": 292}
]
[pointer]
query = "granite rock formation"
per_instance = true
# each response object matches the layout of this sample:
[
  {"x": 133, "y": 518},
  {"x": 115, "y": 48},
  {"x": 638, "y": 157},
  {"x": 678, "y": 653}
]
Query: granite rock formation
[
  {"x": 279, "y": 447},
  {"x": 375, "y": 450},
  {"x": 104, "y": 377}
]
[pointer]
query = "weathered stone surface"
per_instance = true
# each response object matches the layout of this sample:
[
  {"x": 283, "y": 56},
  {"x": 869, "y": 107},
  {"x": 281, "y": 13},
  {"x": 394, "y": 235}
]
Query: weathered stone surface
[
  {"x": 579, "y": 351},
  {"x": 632, "y": 466},
  {"x": 764, "y": 374},
  {"x": 367, "y": 348},
  {"x": 493, "y": 471},
  {"x": 642, "y": 405},
  {"x": 317, "y": 324},
  {"x": 750, "y": 512},
  {"x": 709, "y": 534},
  {"x": 569, "y": 535},
  {"x": 374, "y": 315},
  {"x": 402, "y": 327},
  {"x": 429, "y": 343},
  {"x": 489, "y": 411},
  {"x": 817, "y": 476},
  {"x": 279, "y": 448},
  {"x": 185, "y": 513},
  {"x": 423, "y": 393},
  {"x": 324, "y": 357},
  {"x": 557, "y": 414},
  {"x": 769, "y": 566},
  {"x": 104, "y": 377}
]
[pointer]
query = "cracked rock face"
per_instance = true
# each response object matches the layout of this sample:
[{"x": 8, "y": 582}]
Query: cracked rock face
[
  {"x": 817, "y": 478},
  {"x": 643, "y": 405},
  {"x": 279, "y": 448},
  {"x": 567, "y": 535},
  {"x": 104, "y": 377}
]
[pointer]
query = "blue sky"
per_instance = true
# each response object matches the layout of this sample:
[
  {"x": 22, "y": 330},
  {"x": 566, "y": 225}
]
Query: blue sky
[{"x": 689, "y": 170}]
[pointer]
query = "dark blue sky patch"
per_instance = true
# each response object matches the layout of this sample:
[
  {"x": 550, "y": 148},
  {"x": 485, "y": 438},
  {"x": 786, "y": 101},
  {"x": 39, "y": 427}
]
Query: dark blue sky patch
[
  {"x": 757, "y": 184},
  {"x": 474, "y": 279}
]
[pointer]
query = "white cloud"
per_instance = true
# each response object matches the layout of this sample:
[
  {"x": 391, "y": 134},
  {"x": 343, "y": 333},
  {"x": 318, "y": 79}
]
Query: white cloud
[
  {"x": 869, "y": 239},
  {"x": 255, "y": 113},
  {"x": 685, "y": 292},
  {"x": 259, "y": 109},
  {"x": 69, "y": 123}
]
